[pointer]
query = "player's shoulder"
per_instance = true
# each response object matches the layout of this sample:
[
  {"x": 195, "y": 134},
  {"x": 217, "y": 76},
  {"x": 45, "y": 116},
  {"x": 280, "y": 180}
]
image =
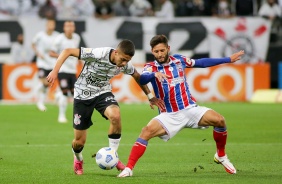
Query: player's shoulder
[
  {"x": 178, "y": 56},
  {"x": 102, "y": 49},
  {"x": 150, "y": 63},
  {"x": 149, "y": 66},
  {"x": 76, "y": 36},
  {"x": 60, "y": 36},
  {"x": 56, "y": 33},
  {"x": 40, "y": 33}
]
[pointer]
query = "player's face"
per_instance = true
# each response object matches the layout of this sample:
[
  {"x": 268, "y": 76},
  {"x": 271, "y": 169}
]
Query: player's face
[
  {"x": 69, "y": 28},
  {"x": 121, "y": 59},
  {"x": 51, "y": 25},
  {"x": 160, "y": 53}
]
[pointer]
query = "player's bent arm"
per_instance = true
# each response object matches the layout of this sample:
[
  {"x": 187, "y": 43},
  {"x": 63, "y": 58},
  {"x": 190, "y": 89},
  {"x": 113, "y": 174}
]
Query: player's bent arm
[
  {"x": 61, "y": 59},
  {"x": 144, "y": 87},
  {"x": 63, "y": 56},
  {"x": 146, "y": 77}
]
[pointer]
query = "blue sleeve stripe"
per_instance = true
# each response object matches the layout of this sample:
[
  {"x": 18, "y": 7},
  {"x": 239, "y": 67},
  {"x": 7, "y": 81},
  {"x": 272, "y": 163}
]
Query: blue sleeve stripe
[
  {"x": 146, "y": 77},
  {"x": 207, "y": 62}
]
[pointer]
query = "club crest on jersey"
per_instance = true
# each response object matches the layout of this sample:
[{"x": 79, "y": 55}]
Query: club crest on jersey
[
  {"x": 76, "y": 120},
  {"x": 170, "y": 69}
]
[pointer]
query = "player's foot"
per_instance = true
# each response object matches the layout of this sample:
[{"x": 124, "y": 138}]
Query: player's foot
[
  {"x": 226, "y": 163},
  {"x": 120, "y": 166},
  {"x": 62, "y": 119},
  {"x": 78, "y": 166},
  {"x": 41, "y": 106},
  {"x": 127, "y": 172}
]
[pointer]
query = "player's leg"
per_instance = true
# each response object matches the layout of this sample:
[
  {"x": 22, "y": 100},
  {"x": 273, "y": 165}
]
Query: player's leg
[
  {"x": 77, "y": 147},
  {"x": 212, "y": 118},
  {"x": 82, "y": 112},
  {"x": 42, "y": 89},
  {"x": 63, "y": 99},
  {"x": 112, "y": 113},
  {"x": 109, "y": 109},
  {"x": 153, "y": 129}
]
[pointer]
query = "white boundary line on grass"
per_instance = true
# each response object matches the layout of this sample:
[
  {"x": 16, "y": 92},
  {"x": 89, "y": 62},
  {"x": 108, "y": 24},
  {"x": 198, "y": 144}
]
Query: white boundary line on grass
[{"x": 174, "y": 144}]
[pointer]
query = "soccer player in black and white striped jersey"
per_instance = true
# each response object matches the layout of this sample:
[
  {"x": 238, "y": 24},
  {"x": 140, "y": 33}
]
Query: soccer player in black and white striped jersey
[{"x": 93, "y": 91}]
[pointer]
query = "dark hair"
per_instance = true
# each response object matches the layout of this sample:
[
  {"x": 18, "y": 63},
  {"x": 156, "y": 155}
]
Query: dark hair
[
  {"x": 158, "y": 39},
  {"x": 127, "y": 47}
]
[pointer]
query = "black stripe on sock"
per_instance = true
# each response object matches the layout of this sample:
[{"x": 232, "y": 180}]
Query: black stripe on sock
[{"x": 114, "y": 136}]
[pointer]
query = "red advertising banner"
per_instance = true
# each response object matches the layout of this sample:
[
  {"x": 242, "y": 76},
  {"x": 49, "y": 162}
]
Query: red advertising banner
[{"x": 228, "y": 82}]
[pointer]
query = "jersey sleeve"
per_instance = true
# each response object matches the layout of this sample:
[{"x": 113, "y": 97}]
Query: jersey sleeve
[
  {"x": 147, "y": 68},
  {"x": 35, "y": 38},
  {"x": 91, "y": 54},
  {"x": 188, "y": 63},
  {"x": 129, "y": 69}
]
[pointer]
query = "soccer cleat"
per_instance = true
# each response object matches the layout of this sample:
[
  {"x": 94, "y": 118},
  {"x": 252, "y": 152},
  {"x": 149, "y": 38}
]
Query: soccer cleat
[
  {"x": 228, "y": 166},
  {"x": 62, "y": 119},
  {"x": 41, "y": 106},
  {"x": 78, "y": 166},
  {"x": 127, "y": 172},
  {"x": 120, "y": 166}
]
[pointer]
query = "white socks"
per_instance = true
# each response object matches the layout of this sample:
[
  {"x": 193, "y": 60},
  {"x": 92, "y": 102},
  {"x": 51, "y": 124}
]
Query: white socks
[
  {"x": 63, "y": 102},
  {"x": 41, "y": 92},
  {"x": 114, "y": 143}
]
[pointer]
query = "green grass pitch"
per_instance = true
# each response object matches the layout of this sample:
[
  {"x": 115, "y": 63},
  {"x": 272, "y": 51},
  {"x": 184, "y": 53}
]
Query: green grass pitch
[{"x": 34, "y": 148}]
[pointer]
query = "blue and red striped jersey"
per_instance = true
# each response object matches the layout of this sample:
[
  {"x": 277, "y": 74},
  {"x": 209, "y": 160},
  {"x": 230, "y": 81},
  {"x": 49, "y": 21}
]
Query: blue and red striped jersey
[{"x": 175, "y": 90}]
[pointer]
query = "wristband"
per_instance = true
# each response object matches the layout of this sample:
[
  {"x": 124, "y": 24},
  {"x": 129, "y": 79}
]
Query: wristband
[{"x": 150, "y": 96}]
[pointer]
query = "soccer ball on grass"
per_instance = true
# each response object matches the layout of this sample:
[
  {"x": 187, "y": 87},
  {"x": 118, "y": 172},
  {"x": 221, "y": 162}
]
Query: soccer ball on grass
[{"x": 107, "y": 158}]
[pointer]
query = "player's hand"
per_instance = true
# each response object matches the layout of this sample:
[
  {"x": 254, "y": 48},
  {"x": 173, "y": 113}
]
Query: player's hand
[
  {"x": 157, "y": 102},
  {"x": 161, "y": 76},
  {"x": 52, "y": 77},
  {"x": 237, "y": 56}
]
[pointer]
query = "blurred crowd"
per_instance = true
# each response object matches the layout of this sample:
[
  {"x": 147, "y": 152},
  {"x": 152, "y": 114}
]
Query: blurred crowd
[{"x": 105, "y": 9}]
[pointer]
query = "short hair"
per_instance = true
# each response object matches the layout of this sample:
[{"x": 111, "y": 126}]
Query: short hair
[
  {"x": 127, "y": 47},
  {"x": 158, "y": 39}
]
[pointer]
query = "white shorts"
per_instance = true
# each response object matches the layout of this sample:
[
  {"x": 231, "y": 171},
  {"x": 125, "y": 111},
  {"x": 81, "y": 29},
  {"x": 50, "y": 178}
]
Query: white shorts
[{"x": 173, "y": 122}]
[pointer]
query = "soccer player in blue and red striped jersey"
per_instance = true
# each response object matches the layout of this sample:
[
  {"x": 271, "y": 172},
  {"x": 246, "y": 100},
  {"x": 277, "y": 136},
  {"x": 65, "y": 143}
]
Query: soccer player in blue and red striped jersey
[{"x": 167, "y": 77}]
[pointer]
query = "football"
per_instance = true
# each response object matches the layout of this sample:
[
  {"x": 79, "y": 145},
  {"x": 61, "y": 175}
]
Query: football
[{"x": 107, "y": 158}]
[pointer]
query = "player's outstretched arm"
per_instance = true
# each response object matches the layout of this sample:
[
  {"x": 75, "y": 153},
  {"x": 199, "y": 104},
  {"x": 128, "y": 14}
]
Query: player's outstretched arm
[
  {"x": 208, "y": 62},
  {"x": 237, "y": 56},
  {"x": 61, "y": 59}
]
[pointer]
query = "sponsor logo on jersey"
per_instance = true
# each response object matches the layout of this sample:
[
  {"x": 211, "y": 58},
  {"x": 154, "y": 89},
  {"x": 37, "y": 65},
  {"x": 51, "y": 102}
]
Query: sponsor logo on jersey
[{"x": 110, "y": 98}]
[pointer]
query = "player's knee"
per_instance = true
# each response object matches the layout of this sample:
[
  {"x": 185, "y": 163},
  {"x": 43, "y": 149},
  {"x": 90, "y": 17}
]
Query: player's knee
[
  {"x": 114, "y": 118},
  {"x": 147, "y": 132},
  {"x": 78, "y": 143},
  {"x": 220, "y": 121}
]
